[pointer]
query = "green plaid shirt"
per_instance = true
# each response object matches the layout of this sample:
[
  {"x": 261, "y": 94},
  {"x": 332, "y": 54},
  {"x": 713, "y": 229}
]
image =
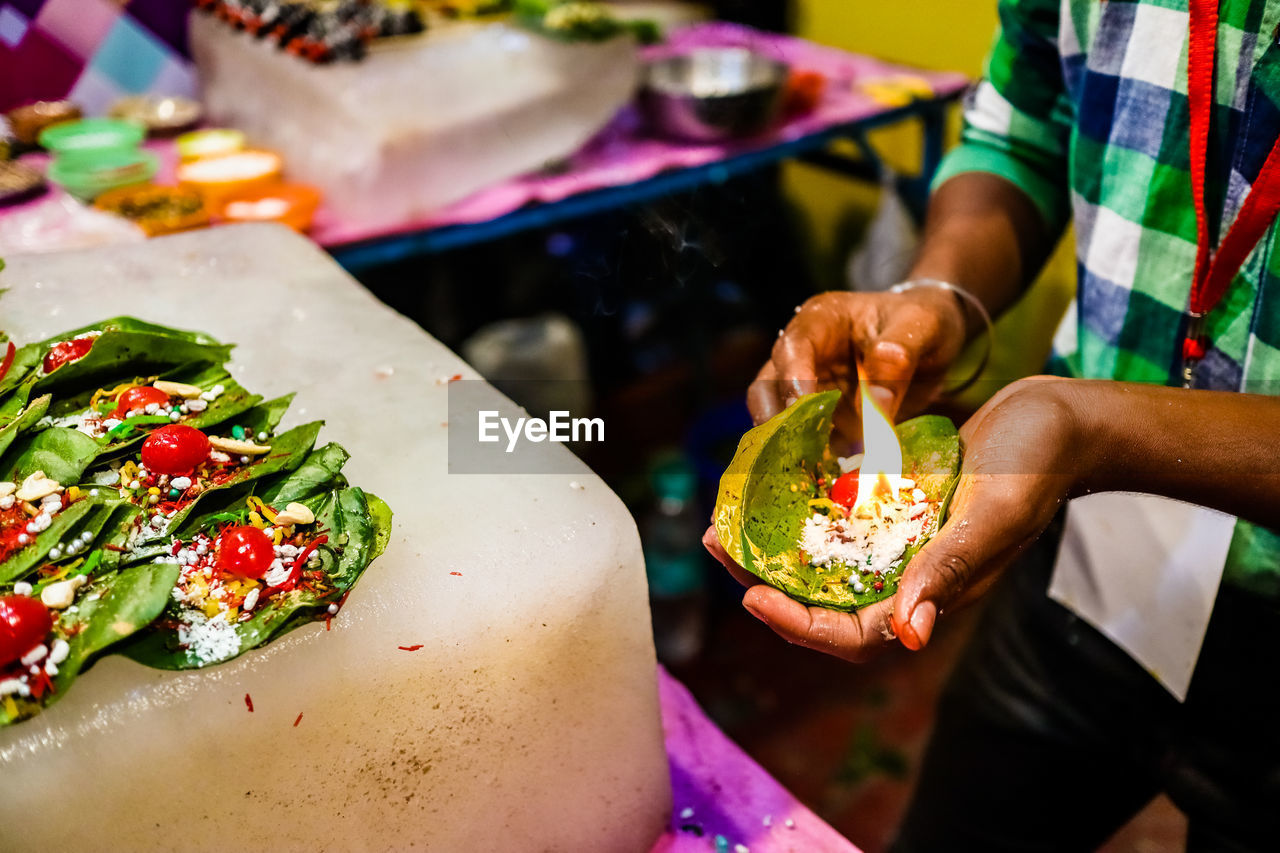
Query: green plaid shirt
[{"x": 1084, "y": 106}]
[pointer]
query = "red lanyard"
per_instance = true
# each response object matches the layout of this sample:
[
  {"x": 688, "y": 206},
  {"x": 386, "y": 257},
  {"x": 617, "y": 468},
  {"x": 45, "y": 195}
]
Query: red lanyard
[{"x": 1215, "y": 270}]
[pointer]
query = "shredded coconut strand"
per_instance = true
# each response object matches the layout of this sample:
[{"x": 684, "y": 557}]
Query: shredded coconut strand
[{"x": 873, "y": 544}]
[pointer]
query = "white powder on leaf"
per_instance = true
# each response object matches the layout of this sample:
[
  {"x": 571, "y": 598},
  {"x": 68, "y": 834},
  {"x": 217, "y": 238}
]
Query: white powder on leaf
[
  {"x": 872, "y": 544},
  {"x": 209, "y": 640}
]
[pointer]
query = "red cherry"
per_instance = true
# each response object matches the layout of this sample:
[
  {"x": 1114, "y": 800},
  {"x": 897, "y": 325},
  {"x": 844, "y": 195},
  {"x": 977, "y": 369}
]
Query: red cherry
[
  {"x": 175, "y": 449},
  {"x": 139, "y": 397},
  {"x": 245, "y": 551},
  {"x": 67, "y": 351},
  {"x": 24, "y": 624},
  {"x": 845, "y": 490}
]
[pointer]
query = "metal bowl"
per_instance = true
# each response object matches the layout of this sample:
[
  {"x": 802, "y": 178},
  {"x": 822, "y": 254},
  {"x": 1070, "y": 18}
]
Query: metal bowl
[
  {"x": 713, "y": 94},
  {"x": 160, "y": 114}
]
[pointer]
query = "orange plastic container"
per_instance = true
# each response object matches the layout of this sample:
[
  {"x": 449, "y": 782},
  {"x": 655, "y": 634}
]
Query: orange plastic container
[
  {"x": 291, "y": 204},
  {"x": 229, "y": 175},
  {"x": 157, "y": 210}
]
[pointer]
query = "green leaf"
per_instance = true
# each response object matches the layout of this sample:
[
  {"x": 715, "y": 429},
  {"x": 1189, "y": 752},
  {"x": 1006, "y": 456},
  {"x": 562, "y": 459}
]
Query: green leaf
[
  {"x": 353, "y": 536},
  {"x": 264, "y": 417},
  {"x": 321, "y": 470},
  {"x": 33, "y": 554},
  {"x": 380, "y": 517},
  {"x": 288, "y": 450},
  {"x": 24, "y": 360},
  {"x": 111, "y": 608},
  {"x": 21, "y": 418},
  {"x": 764, "y": 497},
  {"x": 62, "y": 454},
  {"x": 127, "y": 346},
  {"x": 233, "y": 402}
]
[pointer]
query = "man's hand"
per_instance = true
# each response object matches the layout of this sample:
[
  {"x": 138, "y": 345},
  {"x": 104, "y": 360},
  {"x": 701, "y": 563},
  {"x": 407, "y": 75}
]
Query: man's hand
[
  {"x": 1024, "y": 455},
  {"x": 904, "y": 341}
]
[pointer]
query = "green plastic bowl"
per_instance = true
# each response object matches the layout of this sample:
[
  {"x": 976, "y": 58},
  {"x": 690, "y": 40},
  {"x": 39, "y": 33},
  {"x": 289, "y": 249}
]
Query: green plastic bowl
[
  {"x": 73, "y": 140},
  {"x": 93, "y": 173}
]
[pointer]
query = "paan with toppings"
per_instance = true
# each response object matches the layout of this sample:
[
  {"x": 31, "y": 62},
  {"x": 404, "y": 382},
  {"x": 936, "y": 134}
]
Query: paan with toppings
[{"x": 835, "y": 532}]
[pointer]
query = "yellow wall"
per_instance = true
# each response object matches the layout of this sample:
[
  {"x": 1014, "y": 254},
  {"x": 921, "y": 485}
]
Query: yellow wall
[{"x": 938, "y": 34}]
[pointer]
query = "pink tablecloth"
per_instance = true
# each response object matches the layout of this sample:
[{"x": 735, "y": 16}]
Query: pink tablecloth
[
  {"x": 726, "y": 794},
  {"x": 623, "y": 153}
]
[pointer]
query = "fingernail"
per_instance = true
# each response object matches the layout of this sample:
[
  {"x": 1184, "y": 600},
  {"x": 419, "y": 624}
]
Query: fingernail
[
  {"x": 883, "y": 396},
  {"x": 752, "y": 611},
  {"x": 922, "y": 619}
]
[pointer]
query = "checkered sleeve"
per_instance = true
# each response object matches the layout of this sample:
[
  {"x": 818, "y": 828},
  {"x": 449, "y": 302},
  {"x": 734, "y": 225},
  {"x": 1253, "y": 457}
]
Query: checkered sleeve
[{"x": 1018, "y": 118}]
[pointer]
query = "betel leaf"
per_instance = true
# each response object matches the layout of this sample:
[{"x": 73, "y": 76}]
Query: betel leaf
[
  {"x": 353, "y": 532},
  {"x": 319, "y": 472},
  {"x": 264, "y": 416},
  {"x": 380, "y": 515},
  {"x": 21, "y": 418},
  {"x": 62, "y": 454},
  {"x": 231, "y": 402},
  {"x": 34, "y": 553},
  {"x": 127, "y": 346},
  {"x": 25, "y": 358},
  {"x": 288, "y": 450},
  {"x": 764, "y": 497},
  {"x": 111, "y": 608},
  {"x": 68, "y": 413}
]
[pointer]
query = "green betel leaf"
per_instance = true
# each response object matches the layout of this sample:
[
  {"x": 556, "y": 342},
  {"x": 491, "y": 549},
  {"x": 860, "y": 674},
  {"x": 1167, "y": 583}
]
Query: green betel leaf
[
  {"x": 110, "y": 608},
  {"x": 121, "y": 438},
  {"x": 264, "y": 417},
  {"x": 320, "y": 471},
  {"x": 353, "y": 534},
  {"x": 288, "y": 450},
  {"x": 25, "y": 358},
  {"x": 126, "y": 346},
  {"x": 21, "y": 418},
  {"x": 113, "y": 547},
  {"x": 26, "y": 558},
  {"x": 380, "y": 515},
  {"x": 62, "y": 454},
  {"x": 765, "y": 495}
]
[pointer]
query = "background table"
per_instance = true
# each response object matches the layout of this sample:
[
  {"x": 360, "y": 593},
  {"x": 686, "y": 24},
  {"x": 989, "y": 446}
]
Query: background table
[{"x": 625, "y": 165}]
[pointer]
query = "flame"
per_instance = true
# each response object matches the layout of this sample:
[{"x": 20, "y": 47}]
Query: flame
[{"x": 881, "y": 471}]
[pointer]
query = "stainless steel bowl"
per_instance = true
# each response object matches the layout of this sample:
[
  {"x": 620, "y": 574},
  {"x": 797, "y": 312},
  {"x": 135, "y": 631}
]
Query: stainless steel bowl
[{"x": 713, "y": 94}]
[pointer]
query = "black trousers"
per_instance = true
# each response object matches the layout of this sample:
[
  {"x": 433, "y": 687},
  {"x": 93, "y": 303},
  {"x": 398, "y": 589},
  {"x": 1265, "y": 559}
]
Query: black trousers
[{"x": 1049, "y": 737}]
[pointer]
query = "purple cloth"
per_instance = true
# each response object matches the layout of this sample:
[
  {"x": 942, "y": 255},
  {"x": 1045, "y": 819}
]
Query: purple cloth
[{"x": 729, "y": 794}]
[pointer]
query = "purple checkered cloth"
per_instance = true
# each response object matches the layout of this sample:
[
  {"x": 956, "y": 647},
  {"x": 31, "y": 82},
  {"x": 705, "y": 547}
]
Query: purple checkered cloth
[{"x": 92, "y": 51}]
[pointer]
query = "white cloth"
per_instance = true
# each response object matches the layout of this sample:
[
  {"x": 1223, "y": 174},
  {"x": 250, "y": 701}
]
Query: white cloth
[{"x": 1144, "y": 570}]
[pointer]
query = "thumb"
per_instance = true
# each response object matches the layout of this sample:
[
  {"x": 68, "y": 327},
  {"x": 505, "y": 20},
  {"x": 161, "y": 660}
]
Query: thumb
[
  {"x": 937, "y": 576},
  {"x": 890, "y": 359}
]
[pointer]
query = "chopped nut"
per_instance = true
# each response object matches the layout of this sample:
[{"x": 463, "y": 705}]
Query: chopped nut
[
  {"x": 295, "y": 513},
  {"x": 7, "y": 488},
  {"x": 58, "y": 596},
  {"x": 177, "y": 389},
  {"x": 36, "y": 487},
  {"x": 238, "y": 448}
]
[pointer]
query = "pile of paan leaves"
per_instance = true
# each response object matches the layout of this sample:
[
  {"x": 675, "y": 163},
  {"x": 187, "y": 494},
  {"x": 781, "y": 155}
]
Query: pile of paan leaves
[
  {"x": 784, "y": 464},
  {"x": 126, "y": 601}
]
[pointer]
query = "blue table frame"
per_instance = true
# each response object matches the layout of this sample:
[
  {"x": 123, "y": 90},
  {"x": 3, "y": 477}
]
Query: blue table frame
[{"x": 367, "y": 254}]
